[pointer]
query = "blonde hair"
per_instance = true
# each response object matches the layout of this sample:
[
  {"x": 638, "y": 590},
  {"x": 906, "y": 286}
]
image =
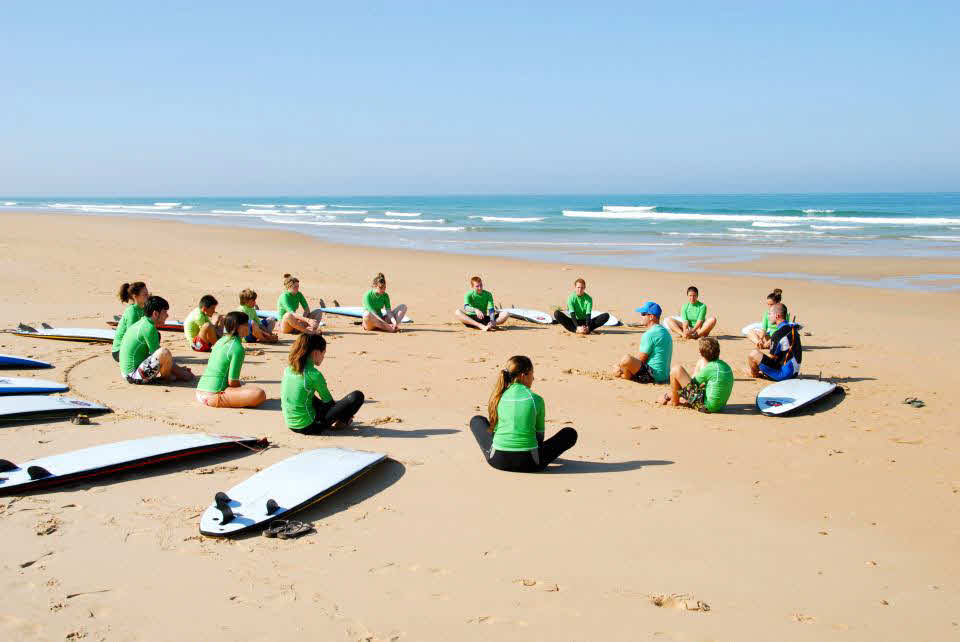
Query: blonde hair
[
  {"x": 379, "y": 280},
  {"x": 517, "y": 366},
  {"x": 247, "y": 295},
  {"x": 709, "y": 348},
  {"x": 289, "y": 281}
]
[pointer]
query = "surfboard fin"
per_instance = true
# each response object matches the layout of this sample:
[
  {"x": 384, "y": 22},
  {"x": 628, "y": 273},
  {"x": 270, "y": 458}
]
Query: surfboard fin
[
  {"x": 46, "y": 326},
  {"x": 272, "y": 506},
  {"x": 38, "y": 472},
  {"x": 222, "y": 502},
  {"x": 6, "y": 466},
  {"x": 23, "y": 327}
]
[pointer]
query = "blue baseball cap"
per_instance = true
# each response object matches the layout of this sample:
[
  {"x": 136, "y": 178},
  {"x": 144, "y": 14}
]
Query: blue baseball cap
[{"x": 650, "y": 308}]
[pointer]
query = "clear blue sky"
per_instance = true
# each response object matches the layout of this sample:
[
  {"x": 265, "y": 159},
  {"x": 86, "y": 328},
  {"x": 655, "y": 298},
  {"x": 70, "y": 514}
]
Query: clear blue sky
[{"x": 224, "y": 98}]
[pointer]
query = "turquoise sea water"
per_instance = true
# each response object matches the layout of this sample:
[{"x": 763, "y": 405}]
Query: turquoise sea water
[{"x": 659, "y": 231}]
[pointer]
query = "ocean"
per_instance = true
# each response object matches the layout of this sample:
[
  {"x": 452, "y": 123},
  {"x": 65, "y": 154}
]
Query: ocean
[{"x": 658, "y": 231}]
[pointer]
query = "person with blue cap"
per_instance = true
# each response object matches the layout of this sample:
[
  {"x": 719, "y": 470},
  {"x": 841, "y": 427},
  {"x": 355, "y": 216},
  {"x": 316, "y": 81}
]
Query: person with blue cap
[{"x": 652, "y": 363}]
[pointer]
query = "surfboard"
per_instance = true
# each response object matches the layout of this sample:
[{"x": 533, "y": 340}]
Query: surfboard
[
  {"x": 86, "y": 335},
  {"x": 612, "y": 321},
  {"x": 283, "y": 488},
  {"x": 169, "y": 326},
  {"x": 526, "y": 314},
  {"x": 11, "y": 361},
  {"x": 98, "y": 461},
  {"x": 784, "y": 397},
  {"x": 25, "y": 407},
  {"x": 355, "y": 311},
  {"x": 750, "y": 327},
  {"x": 29, "y": 386}
]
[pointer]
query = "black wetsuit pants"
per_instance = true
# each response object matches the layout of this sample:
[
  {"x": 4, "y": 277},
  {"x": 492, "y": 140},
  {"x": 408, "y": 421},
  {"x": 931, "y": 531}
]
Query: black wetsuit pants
[
  {"x": 524, "y": 461},
  {"x": 571, "y": 324},
  {"x": 330, "y": 412}
]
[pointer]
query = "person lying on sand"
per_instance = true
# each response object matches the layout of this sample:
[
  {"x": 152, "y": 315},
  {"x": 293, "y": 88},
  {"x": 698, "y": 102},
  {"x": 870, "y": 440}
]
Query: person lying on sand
[
  {"x": 203, "y": 326},
  {"x": 580, "y": 306},
  {"x": 478, "y": 311},
  {"x": 512, "y": 438},
  {"x": 308, "y": 407},
  {"x": 377, "y": 313},
  {"x": 220, "y": 386},
  {"x": 786, "y": 351},
  {"x": 652, "y": 363},
  {"x": 260, "y": 329},
  {"x": 136, "y": 293},
  {"x": 692, "y": 322},
  {"x": 142, "y": 360},
  {"x": 291, "y": 300},
  {"x": 710, "y": 386}
]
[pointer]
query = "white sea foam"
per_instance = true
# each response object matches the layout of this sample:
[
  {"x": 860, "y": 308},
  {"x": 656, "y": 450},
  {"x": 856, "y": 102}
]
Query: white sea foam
[
  {"x": 384, "y": 226},
  {"x": 937, "y": 238},
  {"x": 187, "y": 207},
  {"x": 316, "y": 207},
  {"x": 7, "y": 203},
  {"x": 371, "y": 219},
  {"x": 509, "y": 219},
  {"x": 629, "y": 208},
  {"x": 389, "y": 213},
  {"x": 168, "y": 204},
  {"x": 818, "y": 211},
  {"x": 234, "y": 212},
  {"x": 347, "y": 211},
  {"x": 563, "y": 243},
  {"x": 257, "y": 205},
  {"x": 292, "y": 206},
  {"x": 772, "y": 224},
  {"x": 692, "y": 216},
  {"x": 837, "y": 227}
]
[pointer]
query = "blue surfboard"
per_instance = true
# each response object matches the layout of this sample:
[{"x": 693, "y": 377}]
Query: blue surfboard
[{"x": 10, "y": 361}]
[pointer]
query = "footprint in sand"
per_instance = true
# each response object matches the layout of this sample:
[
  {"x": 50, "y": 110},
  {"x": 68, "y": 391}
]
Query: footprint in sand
[{"x": 680, "y": 601}]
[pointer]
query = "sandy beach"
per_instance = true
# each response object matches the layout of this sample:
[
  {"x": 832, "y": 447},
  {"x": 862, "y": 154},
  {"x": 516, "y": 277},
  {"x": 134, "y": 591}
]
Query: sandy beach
[{"x": 661, "y": 524}]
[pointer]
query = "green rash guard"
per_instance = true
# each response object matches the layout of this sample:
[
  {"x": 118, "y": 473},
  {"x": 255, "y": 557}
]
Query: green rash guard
[
  {"x": 223, "y": 366},
  {"x": 481, "y": 302},
  {"x": 520, "y": 417},
  {"x": 580, "y": 306},
  {"x": 693, "y": 313},
  {"x": 250, "y": 312},
  {"x": 767, "y": 325},
  {"x": 131, "y": 315},
  {"x": 657, "y": 344},
  {"x": 296, "y": 395},
  {"x": 290, "y": 302},
  {"x": 718, "y": 378},
  {"x": 139, "y": 342},
  {"x": 194, "y": 321},
  {"x": 375, "y": 303}
]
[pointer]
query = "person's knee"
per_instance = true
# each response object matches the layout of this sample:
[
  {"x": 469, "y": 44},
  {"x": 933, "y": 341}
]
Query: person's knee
[
  {"x": 164, "y": 355},
  {"x": 357, "y": 397},
  {"x": 258, "y": 397},
  {"x": 569, "y": 435}
]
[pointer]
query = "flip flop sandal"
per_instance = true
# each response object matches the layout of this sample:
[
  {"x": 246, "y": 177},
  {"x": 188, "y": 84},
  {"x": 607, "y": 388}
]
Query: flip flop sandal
[
  {"x": 275, "y": 528},
  {"x": 295, "y": 529}
]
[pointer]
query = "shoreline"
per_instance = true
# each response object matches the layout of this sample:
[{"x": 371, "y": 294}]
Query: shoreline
[{"x": 913, "y": 273}]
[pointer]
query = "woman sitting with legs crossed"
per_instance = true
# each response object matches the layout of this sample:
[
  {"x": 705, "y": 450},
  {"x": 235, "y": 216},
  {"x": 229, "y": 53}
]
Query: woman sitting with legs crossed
[{"x": 220, "y": 385}]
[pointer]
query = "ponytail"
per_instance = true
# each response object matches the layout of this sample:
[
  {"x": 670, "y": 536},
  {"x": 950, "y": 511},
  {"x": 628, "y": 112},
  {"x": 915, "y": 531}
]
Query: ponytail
[
  {"x": 302, "y": 348},
  {"x": 517, "y": 366},
  {"x": 776, "y": 295},
  {"x": 128, "y": 290},
  {"x": 232, "y": 322}
]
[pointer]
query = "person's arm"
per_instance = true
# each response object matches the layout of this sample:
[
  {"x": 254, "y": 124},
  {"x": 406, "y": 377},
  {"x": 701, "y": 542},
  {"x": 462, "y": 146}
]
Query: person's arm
[
  {"x": 319, "y": 385},
  {"x": 152, "y": 339},
  {"x": 645, "y": 346},
  {"x": 236, "y": 363},
  {"x": 572, "y": 306},
  {"x": 587, "y": 307},
  {"x": 302, "y": 302},
  {"x": 541, "y": 418}
]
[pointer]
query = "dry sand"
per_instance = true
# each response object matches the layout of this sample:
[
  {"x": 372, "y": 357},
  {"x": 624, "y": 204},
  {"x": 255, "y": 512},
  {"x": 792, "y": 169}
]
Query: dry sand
[{"x": 661, "y": 523}]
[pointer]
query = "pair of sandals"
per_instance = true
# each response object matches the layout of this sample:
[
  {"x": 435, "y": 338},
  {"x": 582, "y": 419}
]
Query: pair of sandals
[
  {"x": 913, "y": 401},
  {"x": 287, "y": 529}
]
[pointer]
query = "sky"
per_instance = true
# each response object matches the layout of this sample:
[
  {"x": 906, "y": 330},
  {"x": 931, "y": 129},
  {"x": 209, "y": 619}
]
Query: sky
[{"x": 298, "y": 98}]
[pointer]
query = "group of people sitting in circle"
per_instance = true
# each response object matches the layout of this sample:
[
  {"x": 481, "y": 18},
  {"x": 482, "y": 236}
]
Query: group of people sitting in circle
[{"x": 512, "y": 434}]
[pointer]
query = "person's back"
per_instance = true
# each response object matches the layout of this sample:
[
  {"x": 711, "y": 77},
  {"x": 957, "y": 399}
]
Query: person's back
[
  {"x": 297, "y": 392},
  {"x": 520, "y": 416},
  {"x": 139, "y": 341},
  {"x": 131, "y": 315},
  {"x": 224, "y": 364},
  {"x": 657, "y": 344},
  {"x": 718, "y": 377},
  {"x": 786, "y": 347},
  {"x": 192, "y": 324}
]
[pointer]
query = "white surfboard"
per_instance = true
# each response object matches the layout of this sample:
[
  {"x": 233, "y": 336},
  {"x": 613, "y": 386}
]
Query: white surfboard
[
  {"x": 29, "y": 386},
  {"x": 12, "y": 361},
  {"x": 355, "y": 311},
  {"x": 25, "y": 407},
  {"x": 283, "y": 488},
  {"x": 787, "y": 396},
  {"x": 88, "y": 335},
  {"x": 750, "y": 327},
  {"x": 527, "y": 314},
  {"x": 20, "y": 477}
]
